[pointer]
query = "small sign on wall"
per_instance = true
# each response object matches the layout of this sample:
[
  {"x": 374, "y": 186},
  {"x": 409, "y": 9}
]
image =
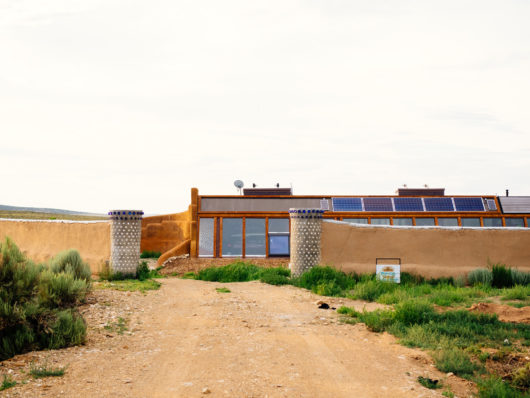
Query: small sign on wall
[{"x": 388, "y": 269}]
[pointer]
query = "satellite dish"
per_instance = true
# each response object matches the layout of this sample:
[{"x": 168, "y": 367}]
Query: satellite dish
[{"x": 239, "y": 184}]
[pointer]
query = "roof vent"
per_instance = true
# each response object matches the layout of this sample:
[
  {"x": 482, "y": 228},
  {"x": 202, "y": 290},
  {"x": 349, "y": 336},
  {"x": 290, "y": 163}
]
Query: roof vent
[
  {"x": 421, "y": 191},
  {"x": 267, "y": 191}
]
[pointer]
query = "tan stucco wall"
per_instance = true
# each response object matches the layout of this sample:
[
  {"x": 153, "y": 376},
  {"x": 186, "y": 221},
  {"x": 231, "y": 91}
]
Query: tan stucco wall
[
  {"x": 41, "y": 240},
  {"x": 431, "y": 252},
  {"x": 163, "y": 233}
]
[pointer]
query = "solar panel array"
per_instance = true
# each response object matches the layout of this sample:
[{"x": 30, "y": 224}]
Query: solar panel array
[
  {"x": 408, "y": 204},
  {"x": 469, "y": 204},
  {"x": 438, "y": 204},
  {"x": 347, "y": 204},
  {"x": 378, "y": 204},
  {"x": 413, "y": 204}
]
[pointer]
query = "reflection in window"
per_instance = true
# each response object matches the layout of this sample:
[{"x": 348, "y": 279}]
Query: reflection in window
[
  {"x": 206, "y": 237},
  {"x": 380, "y": 221},
  {"x": 492, "y": 222},
  {"x": 279, "y": 245},
  {"x": 232, "y": 237},
  {"x": 356, "y": 220},
  {"x": 424, "y": 222},
  {"x": 447, "y": 221},
  {"x": 278, "y": 225},
  {"x": 402, "y": 221},
  {"x": 470, "y": 222},
  {"x": 514, "y": 222},
  {"x": 255, "y": 237}
]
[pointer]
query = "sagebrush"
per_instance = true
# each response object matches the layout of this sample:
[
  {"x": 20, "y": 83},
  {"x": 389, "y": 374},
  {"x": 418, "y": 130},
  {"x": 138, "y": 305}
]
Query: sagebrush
[{"x": 38, "y": 304}]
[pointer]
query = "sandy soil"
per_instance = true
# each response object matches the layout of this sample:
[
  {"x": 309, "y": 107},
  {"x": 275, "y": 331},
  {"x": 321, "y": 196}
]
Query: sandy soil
[{"x": 188, "y": 340}]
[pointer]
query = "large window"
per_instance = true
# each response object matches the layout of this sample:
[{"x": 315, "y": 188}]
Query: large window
[
  {"x": 514, "y": 222},
  {"x": 278, "y": 225},
  {"x": 403, "y": 221},
  {"x": 232, "y": 237},
  {"x": 279, "y": 237},
  {"x": 447, "y": 221},
  {"x": 470, "y": 222},
  {"x": 356, "y": 220},
  {"x": 492, "y": 222},
  {"x": 255, "y": 237},
  {"x": 380, "y": 221},
  {"x": 424, "y": 222},
  {"x": 206, "y": 237}
]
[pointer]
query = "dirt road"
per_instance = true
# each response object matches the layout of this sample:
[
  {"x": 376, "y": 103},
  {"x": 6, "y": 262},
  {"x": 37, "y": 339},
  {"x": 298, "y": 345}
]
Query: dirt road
[{"x": 188, "y": 340}]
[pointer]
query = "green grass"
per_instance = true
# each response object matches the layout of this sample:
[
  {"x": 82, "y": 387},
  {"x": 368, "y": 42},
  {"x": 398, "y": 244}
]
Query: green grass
[
  {"x": 517, "y": 293},
  {"x": 7, "y": 382},
  {"x": 495, "y": 387},
  {"x": 129, "y": 285},
  {"x": 241, "y": 271},
  {"x": 429, "y": 383},
  {"x": 150, "y": 254},
  {"x": 41, "y": 371},
  {"x": 142, "y": 281},
  {"x": 223, "y": 290},
  {"x": 454, "y": 337},
  {"x": 455, "y": 360},
  {"x": 119, "y": 327}
]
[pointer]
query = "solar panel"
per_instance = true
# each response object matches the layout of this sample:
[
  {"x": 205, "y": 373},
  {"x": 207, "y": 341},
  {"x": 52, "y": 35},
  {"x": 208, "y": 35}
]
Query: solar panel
[
  {"x": 347, "y": 204},
  {"x": 438, "y": 204},
  {"x": 408, "y": 204},
  {"x": 378, "y": 204},
  {"x": 469, "y": 204}
]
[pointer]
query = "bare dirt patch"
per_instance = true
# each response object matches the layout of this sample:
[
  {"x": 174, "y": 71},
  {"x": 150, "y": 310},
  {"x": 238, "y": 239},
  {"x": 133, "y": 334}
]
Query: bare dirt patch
[
  {"x": 505, "y": 313},
  {"x": 256, "y": 341}
]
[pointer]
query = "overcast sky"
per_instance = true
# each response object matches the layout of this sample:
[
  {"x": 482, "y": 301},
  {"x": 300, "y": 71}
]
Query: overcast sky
[{"x": 128, "y": 104}]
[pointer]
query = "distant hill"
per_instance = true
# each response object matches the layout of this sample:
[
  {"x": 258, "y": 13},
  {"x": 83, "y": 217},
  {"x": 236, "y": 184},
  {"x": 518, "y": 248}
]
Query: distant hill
[
  {"x": 40, "y": 213},
  {"x": 47, "y": 210}
]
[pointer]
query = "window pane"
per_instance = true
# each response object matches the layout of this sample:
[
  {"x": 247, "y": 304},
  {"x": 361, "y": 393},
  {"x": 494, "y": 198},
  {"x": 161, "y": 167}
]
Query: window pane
[
  {"x": 278, "y": 225},
  {"x": 493, "y": 222},
  {"x": 232, "y": 237},
  {"x": 402, "y": 221},
  {"x": 380, "y": 221},
  {"x": 356, "y": 220},
  {"x": 514, "y": 222},
  {"x": 255, "y": 237},
  {"x": 206, "y": 237},
  {"x": 470, "y": 222},
  {"x": 279, "y": 245},
  {"x": 447, "y": 222},
  {"x": 424, "y": 222}
]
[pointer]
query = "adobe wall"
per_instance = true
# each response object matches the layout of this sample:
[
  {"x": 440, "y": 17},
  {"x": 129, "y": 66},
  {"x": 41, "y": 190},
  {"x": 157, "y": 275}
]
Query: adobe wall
[
  {"x": 163, "y": 233},
  {"x": 41, "y": 240},
  {"x": 431, "y": 252}
]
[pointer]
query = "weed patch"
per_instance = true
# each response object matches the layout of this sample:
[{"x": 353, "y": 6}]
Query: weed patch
[
  {"x": 130, "y": 285},
  {"x": 150, "y": 254},
  {"x": 518, "y": 292},
  {"x": 455, "y": 360},
  {"x": 7, "y": 382},
  {"x": 502, "y": 276},
  {"x": 119, "y": 327},
  {"x": 429, "y": 383},
  {"x": 495, "y": 387},
  {"x": 223, "y": 290},
  {"x": 41, "y": 371}
]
